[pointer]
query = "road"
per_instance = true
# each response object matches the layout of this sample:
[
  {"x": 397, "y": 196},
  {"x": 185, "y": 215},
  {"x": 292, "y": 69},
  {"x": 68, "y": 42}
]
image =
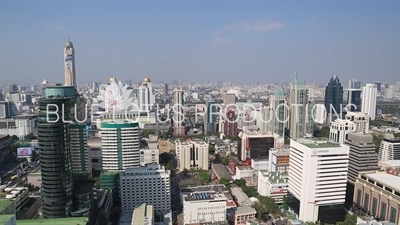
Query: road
[{"x": 175, "y": 195}]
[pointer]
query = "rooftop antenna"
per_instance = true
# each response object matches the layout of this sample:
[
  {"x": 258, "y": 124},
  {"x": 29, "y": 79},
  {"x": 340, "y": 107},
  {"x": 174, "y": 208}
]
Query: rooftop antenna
[
  {"x": 69, "y": 37},
  {"x": 295, "y": 74}
]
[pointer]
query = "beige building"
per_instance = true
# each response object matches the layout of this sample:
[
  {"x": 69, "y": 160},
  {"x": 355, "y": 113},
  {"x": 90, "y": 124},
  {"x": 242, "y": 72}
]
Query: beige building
[
  {"x": 192, "y": 154},
  {"x": 244, "y": 214},
  {"x": 379, "y": 194}
]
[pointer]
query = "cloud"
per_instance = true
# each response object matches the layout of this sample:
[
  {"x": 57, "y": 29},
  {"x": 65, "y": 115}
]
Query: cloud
[
  {"x": 217, "y": 32},
  {"x": 223, "y": 41},
  {"x": 257, "y": 26},
  {"x": 52, "y": 26}
]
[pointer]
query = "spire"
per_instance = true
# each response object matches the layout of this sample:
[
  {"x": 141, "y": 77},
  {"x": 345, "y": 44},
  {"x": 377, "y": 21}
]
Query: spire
[
  {"x": 282, "y": 85},
  {"x": 69, "y": 37},
  {"x": 295, "y": 75}
]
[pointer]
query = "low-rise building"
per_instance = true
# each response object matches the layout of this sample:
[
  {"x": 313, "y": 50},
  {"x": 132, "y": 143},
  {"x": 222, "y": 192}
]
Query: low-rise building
[
  {"x": 243, "y": 172},
  {"x": 259, "y": 164},
  {"x": 149, "y": 156},
  {"x": 378, "y": 194},
  {"x": 273, "y": 184},
  {"x": 243, "y": 214},
  {"x": 279, "y": 160},
  {"x": 240, "y": 197}
]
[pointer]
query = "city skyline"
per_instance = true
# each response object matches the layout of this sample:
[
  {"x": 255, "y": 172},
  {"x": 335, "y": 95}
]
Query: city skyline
[{"x": 253, "y": 42}]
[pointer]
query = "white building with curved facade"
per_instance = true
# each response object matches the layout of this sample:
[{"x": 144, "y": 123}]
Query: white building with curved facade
[{"x": 120, "y": 145}]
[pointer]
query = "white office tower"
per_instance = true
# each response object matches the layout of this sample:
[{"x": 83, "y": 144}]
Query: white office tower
[
  {"x": 368, "y": 100},
  {"x": 318, "y": 176},
  {"x": 69, "y": 66},
  {"x": 192, "y": 154},
  {"x": 148, "y": 184},
  {"x": 177, "y": 109},
  {"x": 340, "y": 129},
  {"x": 389, "y": 149},
  {"x": 360, "y": 120},
  {"x": 144, "y": 98},
  {"x": 148, "y": 155},
  {"x": 120, "y": 145},
  {"x": 319, "y": 113},
  {"x": 301, "y": 122}
]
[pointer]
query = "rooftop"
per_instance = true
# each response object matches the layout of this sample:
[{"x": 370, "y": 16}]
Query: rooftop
[
  {"x": 318, "y": 143},
  {"x": 278, "y": 177},
  {"x": 244, "y": 167},
  {"x": 110, "y": 173},
  {"x": 5, "y": 218},
  {"x": 392, "y": 163},
  {"x": 58, "y": 221},
  {"x": 241, "y": 197},
  {"x": 386, "y": 179},
  {"x": 280, "y": 152},
  {"x": 245, "y": 210},
  {"x": 221, "y": 171},
  {"x": 4, "y": 203}
]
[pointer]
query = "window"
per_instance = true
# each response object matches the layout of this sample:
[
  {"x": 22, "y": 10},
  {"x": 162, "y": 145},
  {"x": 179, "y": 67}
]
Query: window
[
  {"x": 95, "y": 160},
  {"x": 358, "y": 196},
  {"x": 392, "y": 216},
  {"x": 374, "y": 205},
  {"x": 366, "y": 201},
  {"x": 383, "y": 211}
]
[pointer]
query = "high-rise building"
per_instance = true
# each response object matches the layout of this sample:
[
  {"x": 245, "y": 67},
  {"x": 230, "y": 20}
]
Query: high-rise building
[
  {"x": 389, "y": 149},
  {"x": 334, "y": 96},
  {"x": 354, "y": 84},
  {"x": 120, "y": 145},
  {"x": 253, "y": 144},
  {"x": 230, "y": 125},
  {"x": 178, "y": 116},
  {"x": 151, "y": 185},
  {"x": 301, "y": 122},
  {"x": 369, "y": 95},
  {"x": 149, "y": 85},
  {"x": 56, "y": 112},
  {"x": 148, "y": 155},
  {"x": 80, "y": 154},
  {"x": 378, "y": 85},
  {"x": 318, "y": 178},
  {"x": 390, "y": 92},
  {"x": 192, "y": 154},
  {"x": 340, "y": 129},
  {"x": 354, "y": 100},
  {"x": 278, "y": 105},
  {"x": 361, "y": 121},
  {"x": 165, "y": 89},
  {"x": 144, "y": 98},
  {"x": 362, "y": 155},
  {"x": 210, "y": 123},
  {"x": 69, "y": 66}
]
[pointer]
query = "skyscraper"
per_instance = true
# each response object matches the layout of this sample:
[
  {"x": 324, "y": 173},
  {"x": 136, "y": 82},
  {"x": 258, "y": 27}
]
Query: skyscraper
[
  {"x": 69, "y": 57},
  {"x": 144, "y": 98},
  {"x": 278, "y": 104},
  {"x": 301, "y": 122},
  {"x": 210, "y": 123},
  {"x": 378, "y": 85},
  {"x": 334, "y": 95},
  {"x": 369, "y": 94},
  {"x": 120, "y": 145},
  {"x": 354, "y": 100},
  {"x": 355, "y": 84},
  {"x": 57, "y": 112},
  {"x": 165, "y": 89},
  {"x": 177, "y": 108}
]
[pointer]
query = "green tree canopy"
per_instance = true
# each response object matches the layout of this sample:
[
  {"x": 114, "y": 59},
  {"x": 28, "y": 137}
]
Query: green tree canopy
[
  {"x": 349, "y": 220},
  {"x": 225, "y": 160},
  {"x": 14, "y": 138},
  {"x": 270, "y": 204},
  {"x": 224, "y": 181},
  {"x": 185, "y": 171},
  {"x": 29, "y": 137},
  {"x": 260, "y": 209},
  {"x": 204, "y": 177},
  {"x": 211, "y": 149}
]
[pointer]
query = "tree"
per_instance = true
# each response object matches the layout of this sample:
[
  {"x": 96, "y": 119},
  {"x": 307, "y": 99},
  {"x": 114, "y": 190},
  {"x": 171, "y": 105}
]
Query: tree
[
  {"x": 211, "y": 149},
  {"x": 204, "y": 177},
  {"x": 169, "y": 166},
  {"x": 240, "y": 182},
  {"x": 284, "y": 203},
  {"x": 29, "y": 137},
  {"x": 270, "y": 204},
  {"x": 145, "y": 133},
  {"x": 225, "y": 160},
  {"x": 224, "y": 181},
  {"x": 349, "y": 220},
  {"x": 185, "y": 171},
  {"x": 165, "y": 157},
  {"x": 14, "y": 139},
  {"x": 377, "y": 139},
  {"x": 260, "y": 209}
]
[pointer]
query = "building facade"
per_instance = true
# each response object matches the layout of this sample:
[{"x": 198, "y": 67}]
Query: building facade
[
  {"x": 389, "y": 149},
  {"x": 192, "y": 154},
  {"x": 369, "y": 95},
  {"x": 120, "y": 145},
  {"x": 318, "y": 176},
  {"x": 151, "y": 178},
  {"x": 340, "y": 129},
  {"x": 334, "y": 95}
]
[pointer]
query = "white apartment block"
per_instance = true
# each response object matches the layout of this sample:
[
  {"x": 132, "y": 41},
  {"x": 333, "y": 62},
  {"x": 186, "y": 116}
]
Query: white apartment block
[
  {"x": 361, "y": 121},
  {"x": 149, "y": 156},
  {"x": 243, "y": 172},
  {"x": 120, "y": 145},
  {"x": 19, "y": 126},
  {"x": 259, "y": 164},
  {"x": 192, "y": 154},
  {"x": 273, "y": 185},
  {"x": 368, "y": 100},
  {"x": 149, "y": 184},
  {"x": 340, "y": 129},
  {"x": 204, "y": 207},
  {"x": 317, "y": 175},
  {"x": 389, "y": 149}
]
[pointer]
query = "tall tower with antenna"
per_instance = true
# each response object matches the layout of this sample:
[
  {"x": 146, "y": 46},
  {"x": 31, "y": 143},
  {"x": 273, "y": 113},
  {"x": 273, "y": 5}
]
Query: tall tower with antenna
[{"x": 69, "y": 64}]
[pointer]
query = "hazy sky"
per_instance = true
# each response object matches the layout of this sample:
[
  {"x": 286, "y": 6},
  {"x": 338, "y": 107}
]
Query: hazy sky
[{"x": 264, "y": 41}]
